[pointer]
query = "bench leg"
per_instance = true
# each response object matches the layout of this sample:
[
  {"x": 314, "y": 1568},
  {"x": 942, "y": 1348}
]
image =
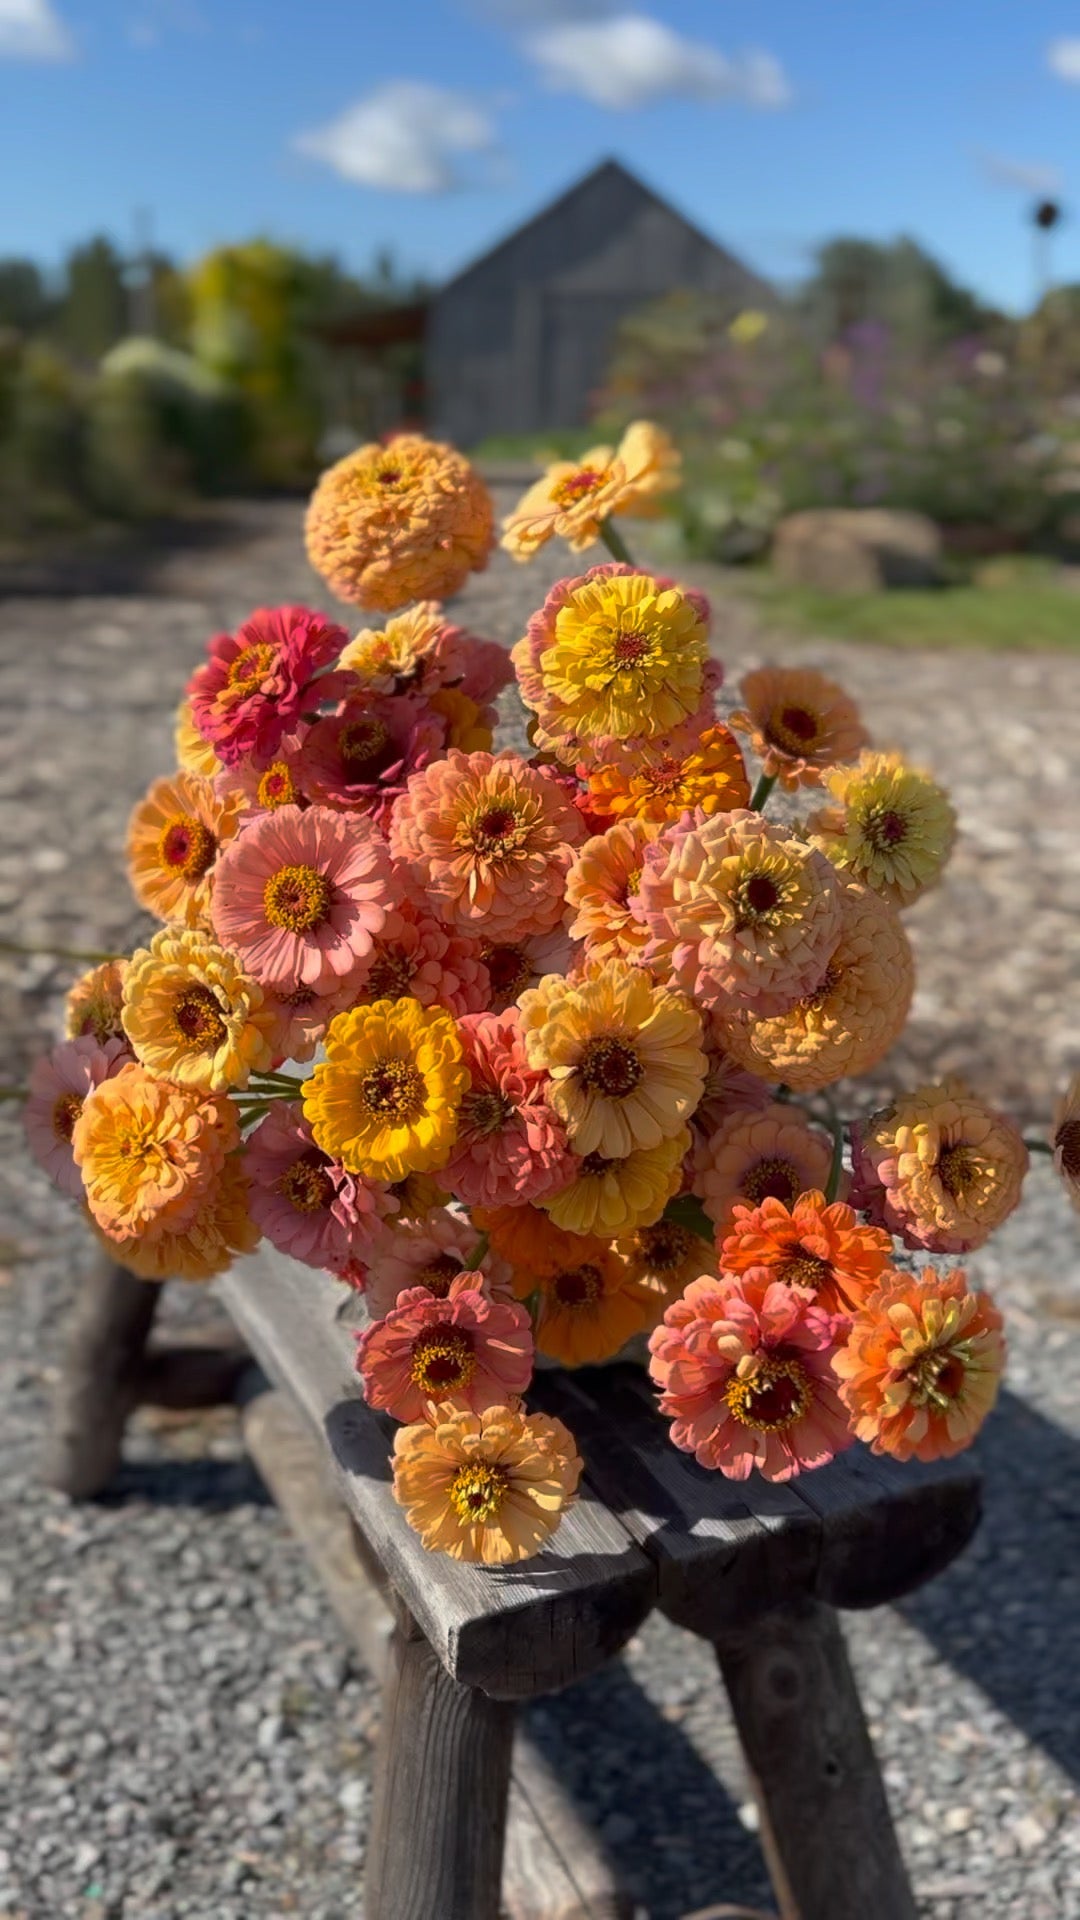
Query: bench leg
[
  {"x": 98, "y": 1381},
  {"x": 441, "y": 1780},
  {"x": 825, "y": 1825}
]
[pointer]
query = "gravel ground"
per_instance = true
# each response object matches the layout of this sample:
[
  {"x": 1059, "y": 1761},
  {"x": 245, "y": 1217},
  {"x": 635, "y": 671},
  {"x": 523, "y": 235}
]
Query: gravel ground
[{"x": 185, "y": 1732}]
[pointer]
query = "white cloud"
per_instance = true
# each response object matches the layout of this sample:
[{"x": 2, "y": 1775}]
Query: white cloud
[
  {"x": 631, "y": 60},
  {"x": 1063, "y": 58},
  {"x": 31, "y": 30},
  {"x": 404, "y": 137},
  {"x": 1029, "y": 176}
]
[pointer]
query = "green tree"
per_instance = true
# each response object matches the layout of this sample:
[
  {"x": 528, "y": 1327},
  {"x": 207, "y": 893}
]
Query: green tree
[
  {"x": 25, "y": 302},
  {"x": 94, "y": 309}
]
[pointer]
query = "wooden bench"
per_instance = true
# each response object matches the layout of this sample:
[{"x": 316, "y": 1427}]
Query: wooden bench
[{"x": 756, "y": 1569}]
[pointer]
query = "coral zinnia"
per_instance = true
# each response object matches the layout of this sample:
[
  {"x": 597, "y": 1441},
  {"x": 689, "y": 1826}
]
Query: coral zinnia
[
  {"x": 707, "y": 774},
  {"x": 487, "y": 1487},
  {"x": 799, "y": 723},
  {"x": 301, "y": 895},
  {"x": 850, "y": 1019},
  {"x": 466, "y": 1350},
  {"x": 600, "y": 885},
  {"x": 624, "y": 1056},
  {"x": 149, "y": 1151},
  {"x": 891, "y": 826},
  {"x": 511, "y": 1146},
  {"x": 587, "y": 1312},
  {"x": 416, "y": 955},
  {"x": 574, "y": 497},
  {"x": 616, "y": 1196},
  {"x": 744, "y": 1372},
  {"x": 751, "y": 1157},
  {"x": 1066, "y": 1140},
  {"x": 59, "y": 1084},
  {"x": 921, "y": 1366},
  {"x": 939, "y": 1167},
  {"x": 253, "y": 686},
  {"x": 491, "y": 839},
  {"x": 307, "y": 1204},
  {"x": 385, "y": 1100},
  {"x": 428, "y": 1250},
  {"x": 208, "y": 1245},
  {"x": 406, "y": 521},
  {"x": 175, "y": 834},
  {"x": 359, "y": 758},
  {"x": 421, "y": 651},
  {"x": 192, "y": 1015},
  {"x": 93, "y": 1003},
  {"x": 808, "y": 1243}
]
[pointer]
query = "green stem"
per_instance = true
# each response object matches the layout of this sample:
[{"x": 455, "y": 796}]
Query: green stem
[
  {"x": 479, "y": 1251},
  {"x": 838, "y": 1131},
  {"x": 14, "y": 1093},
  {"x": 762, "y": 791},
  {"x": 1038, "y": 1146},
  {"x": 59, "y": 953},
  {"x": 687, "y": 1211},
  {"x": 284, "y": 1081},
  {"x": 250, "y": 1115},
  {"x": 615, "y": 544}
]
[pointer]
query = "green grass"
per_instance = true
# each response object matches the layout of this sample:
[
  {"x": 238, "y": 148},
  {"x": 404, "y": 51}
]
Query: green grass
[{"x": 1023, "y": 616}]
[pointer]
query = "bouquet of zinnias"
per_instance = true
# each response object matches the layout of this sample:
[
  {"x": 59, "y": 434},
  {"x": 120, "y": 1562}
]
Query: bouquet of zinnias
[{"x": 570, "y": 1020}]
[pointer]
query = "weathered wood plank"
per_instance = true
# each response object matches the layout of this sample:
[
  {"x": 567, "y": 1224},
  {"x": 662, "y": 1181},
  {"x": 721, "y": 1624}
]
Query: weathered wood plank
[
  {"x": 512, "y": 1632},
  {"x": 98, "y": 1385},
  {"x": 888, "y": 1526},
  {"x": 555, "y": 1868},
  {"x": 825, "y": 1825}
]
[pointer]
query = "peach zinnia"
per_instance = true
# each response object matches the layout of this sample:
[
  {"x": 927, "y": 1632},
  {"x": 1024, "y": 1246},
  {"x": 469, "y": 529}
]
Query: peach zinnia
[
  {"x": 491, "y": 839},
  {"x": 192, "y": 1015},
  {"x": 707, "y": 774},
  {"x": 922, "y": 1364},
  {"x": 511, "y": 1145},
  {"x": 1065, "y": 1140},
  {"x": 302, "y": 895},
  {"x": 744, "y": 1372},
  {"x": 59, "y": 1084},
  {"x": 809, "y": 1243},
  {"x": 406, "y": 521},
  {"x": 93, "y": 1004},
  {"x": 939, "y": 1167},
  {"x": 776, "y": 1153},
  {"x": 530, "y": 1243},
  {"x": 663, "y": 1259},
  {"x": 466, "y": 1350},
  {"x": 574, "y": 497},
  {"x": 600, "y": 886},
  {"x": 488, "y": 1487},
  {"x": 149, "y": 1152},
  {"x": 175, "y": 835},
  {"x": 799, "y": 723},
  {"x": 221, "y": 1230}
]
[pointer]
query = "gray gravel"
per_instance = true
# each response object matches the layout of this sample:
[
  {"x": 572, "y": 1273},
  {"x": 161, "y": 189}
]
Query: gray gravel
[{"x": 185, "y": 1732}]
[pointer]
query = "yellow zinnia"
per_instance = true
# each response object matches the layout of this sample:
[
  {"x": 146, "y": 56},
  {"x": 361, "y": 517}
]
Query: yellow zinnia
[
  {"x": 487, "y": 1487},
  {"x": 573, "y": 498},
  {"x": 149, "y": 1152},
  {"x": 385, "y": 1100},
  {"x": 892, "y": 826},
  {"x": 208, "y": 1245},
  {"x": 613, "y": 1197},
  {"x": 627, "y": 660},
  {"x": 193, "y": 1015},
  {"x": 624, "y": 1055}
]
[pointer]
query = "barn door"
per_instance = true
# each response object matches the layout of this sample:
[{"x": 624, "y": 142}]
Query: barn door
[{"x": 577, "y": 337}]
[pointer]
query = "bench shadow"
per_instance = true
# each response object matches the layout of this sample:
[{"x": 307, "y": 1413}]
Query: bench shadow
[{"x": 213, "y": 1485}]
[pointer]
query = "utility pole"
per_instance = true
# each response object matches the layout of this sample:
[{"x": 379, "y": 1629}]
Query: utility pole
[
  {"x": 1045, "y": 217},
  {"x": 142, "y": 307}
]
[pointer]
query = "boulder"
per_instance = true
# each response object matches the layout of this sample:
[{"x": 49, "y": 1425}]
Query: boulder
[{"x": 857, "y": 549}]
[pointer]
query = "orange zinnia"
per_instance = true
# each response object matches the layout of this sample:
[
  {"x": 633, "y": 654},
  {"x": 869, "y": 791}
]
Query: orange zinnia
[
  {"x": 588, "y": 1311},
  {"x": 920, "y": 1370},
  {"x": 174, "y": 836},
  {"x": 810, "y": 1244},
  {"x": 799, "y": 723}
]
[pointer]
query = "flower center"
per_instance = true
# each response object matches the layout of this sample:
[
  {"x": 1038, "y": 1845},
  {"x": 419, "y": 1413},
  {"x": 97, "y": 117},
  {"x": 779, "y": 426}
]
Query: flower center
[
  {"x": 630, "y": 649},
  {"x": 277, "y": 788},
  {"x": 937, "y": 1377},
  {"x": 1067, "y": 1146},
  {"x": 477, "y": 1492},
  {"x": 664, "y": 1247},
  {"x": 495, "y": 833},
  {"x": 299, "y": 998},
  {"x": 391, "y": 976},
  {"x": 771, "y": 1396},
  {"x": 577, "y": 1287},
  {"x": 755, "y": 898},
  {"x": 805, "y": 1269},
  {"x": 816, "y": 1002},
  {"x": 576, "y": 486},
  {"x": 508, "y": 970},
  {"x": 957, "y": 1169},
  {"x": 665, "y": 775},
  {"x": 771, "y": 1180},
  {"x": 611, "y": 1066},
  {"x": 306, "y": 1185},
  {"x": 393, "y": 1090},
  {"x": 486, "y": 1111},
  {"x": 196, "y": 1015},
  {"x": 187, "y": 847},
  {"x": 64, "y": 1115},
  {"x": 251, "y": 667},
  {"x": 298, "y": 899},
  {"x": 388, "y": 476},
  {"x": 439, "y": 1274},
  {"x": 595, "y": 1164},
  {"x": 885, "y": 828},
  {"x": 792, "y": 727},
  {"x": 364, "y": 746},
  {"x": 443, "y": 1360}
]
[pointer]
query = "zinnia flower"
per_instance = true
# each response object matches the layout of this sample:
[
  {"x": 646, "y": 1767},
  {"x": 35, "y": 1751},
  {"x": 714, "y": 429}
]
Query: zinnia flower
[
  {"x": 175, "y": 835},
  {"x": 193, "y": 753},
  {"x": 487, "y": 1487},
  {"x": 891, "y": 826},
  {"x": 808, "y": 1243},
  {"x": 253, "y": 686},
  {"x": 574, "y": 497},
  {"x": 939, "y": 1167},
  {"x": 663, "y": 1259},
  {"x": 266, "y": 785},
  {"x": 406, "y": 521},
  {"x": 531, "y": 1245},
  {"x": 93, "y": 1003},
  {"x": 491, "y": 839},
  {"x": 624, "y": 1056},
  {"x": 600, "y": 885},
  {"x": 301, "y": 896},
  {"x": 587, "y": 1312},
  {"x": 430, "y": 1250},
  {"x": 511, "y": 1146},
  {"x": 416, "y": 956},
  {"x": 921, "y": 1366},
  {"x": 752, "y": 1157},
  {"x": 528, "y": 655},
  {"x": 306, "y": 1204},
  {"x": 421, "y": 651},
  {"x": 1066, "y": 1140},
  {"x": 385, "y": 1100},
  {"x": 609, "y": 1197},
  {"x": 467, "y": 1350},
  {"x": 301, "y": 1015},
  {"x": 221, "y": 1230},
  {"x": 149, "y": 1152},
  {"x": 728, "y": 1087},
  {"x": 799, "y": 723},
  {"x": 744, "y": 1372},
  {"x": 512, "y": 965},
  {"x": 742, "y": 915},
  {"x": 358, "y": 759},
  {"x": 846, "y": 1023},
  {"x": 666, "y": 780},
  {"x": 192, "y": 1015},
  {"x": 59, "y": 1084}
]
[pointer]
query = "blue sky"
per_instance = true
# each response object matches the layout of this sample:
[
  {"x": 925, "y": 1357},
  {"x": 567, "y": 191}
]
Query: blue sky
[{"x": 434, "y": 126}]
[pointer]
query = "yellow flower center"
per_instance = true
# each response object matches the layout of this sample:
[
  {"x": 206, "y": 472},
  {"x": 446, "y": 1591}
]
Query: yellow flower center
[
  {"x": 196, "y": 1016},
  {"x": 792, "y": 729},
  {"x": 391, "y": 976},
  {"x": 187, "y": 847},
  {"x": 771, "y": 1179},
  {"x": 770, "y": 1396},
  {"x": 755, "y": 899},
  {"x": 1067, "y": 1145},
  {"x": 64, "y": 1115},
  {"x": 363, "y": 746},
  {"x": 297, "y": 898},
  {"x": 250, "y": 667},
  {"x": 485, "y": 1111},
  {"x": 277, "y": 788},
  {"x": 494, "y": 833},
  {"x": 577, "y": 1287},
  {"x": 306, "y": 1185},
  {"x": 664, "y": 1247},
  {"x": 393, "y": 1090},
  {"x": 477, "y": 1492},
  {"x": 443, "y": 1361},
  {"x": 805, "y": 1269},
  {"x": 936, "y": 1378},
  {"x": 884, "y": 828},
  {"x": 611, "y": 1066},
  {"x": 439, "y": 1274},
  {"x": 508, "y": 970},
  {"x": 577, "y": 486},
  {"x": 957, "y": 1169}
]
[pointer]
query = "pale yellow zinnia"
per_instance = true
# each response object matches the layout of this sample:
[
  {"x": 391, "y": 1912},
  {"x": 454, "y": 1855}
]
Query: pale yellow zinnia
[
  {"x": 193, "y": 1015},
  {"x": 891, "y": 825}
]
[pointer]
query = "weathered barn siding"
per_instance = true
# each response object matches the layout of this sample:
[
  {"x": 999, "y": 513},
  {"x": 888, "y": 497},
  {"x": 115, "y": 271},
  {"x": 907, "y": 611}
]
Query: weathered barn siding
[{"x": 520, "y": 340}]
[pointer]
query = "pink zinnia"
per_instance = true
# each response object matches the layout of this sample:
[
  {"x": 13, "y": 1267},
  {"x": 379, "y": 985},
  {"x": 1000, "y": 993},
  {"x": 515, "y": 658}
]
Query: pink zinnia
[
  {"x": 429, "y": 1253},
  {"x": 358, "y": 759},
  {"x": 303, "y": 1015},
  {"x": 728, "y": 1089},
  {"x": 510, "y": 1147},
  {"x": 300, "y": 896},
  {"x": 252, "y": 687},
  {"x": 513, "y": 965},
  {"x": 59, "y": 1083},
  {"x": 468, "y": 1349},
  {"x": 745, "y": 1373},
  {"x": 492, "y": 839},
  {"x": 416, "y": 956},
  {"x": 306, "y": 1204}
]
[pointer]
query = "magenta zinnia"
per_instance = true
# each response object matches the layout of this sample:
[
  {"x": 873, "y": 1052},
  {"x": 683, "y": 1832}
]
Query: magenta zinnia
[{"x": 252, "y": 688}]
